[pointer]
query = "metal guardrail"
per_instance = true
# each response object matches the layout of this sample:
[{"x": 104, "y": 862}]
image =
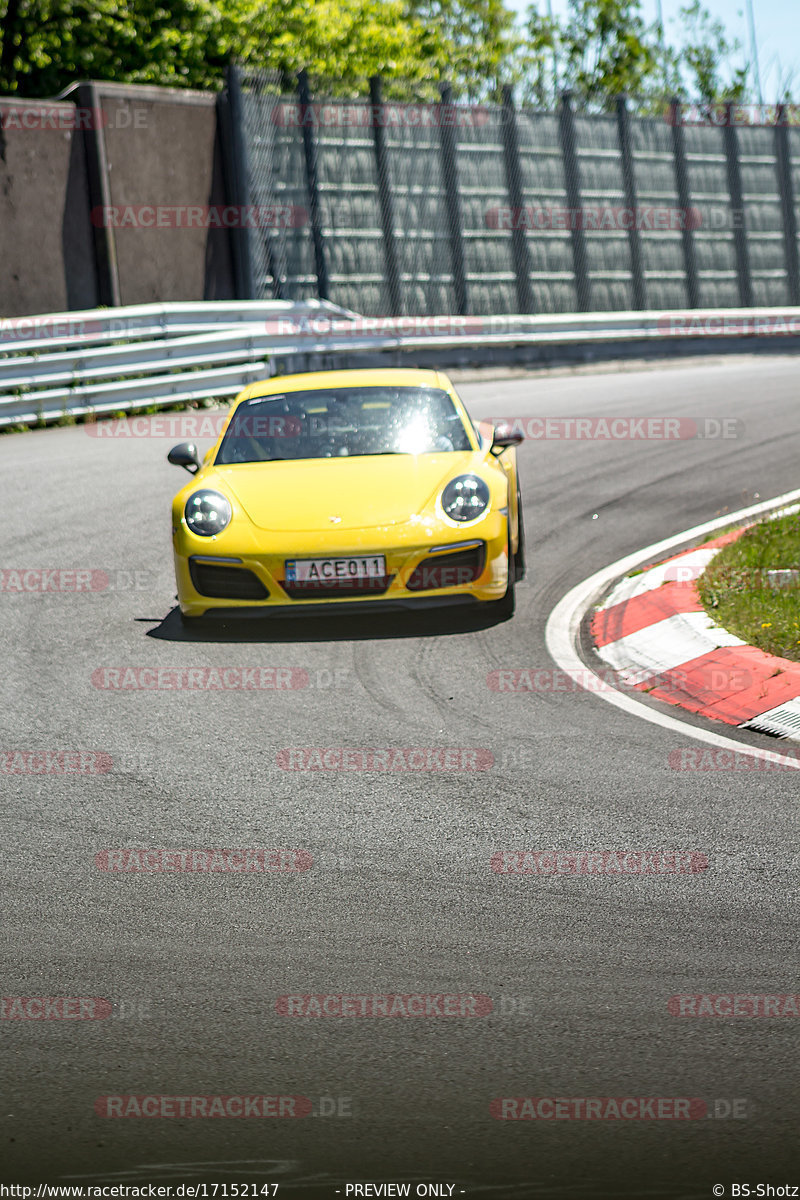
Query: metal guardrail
[
  {"x": 98, "y": 326},
  {"x": 76, "y": 364},
  {"x": 106, "y": 360}
]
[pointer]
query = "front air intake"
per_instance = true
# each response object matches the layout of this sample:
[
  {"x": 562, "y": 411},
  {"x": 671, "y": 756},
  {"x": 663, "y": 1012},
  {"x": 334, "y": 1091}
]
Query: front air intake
[
  {"x": 225, "y": 583},
  {"x": 448, "y": 570}
]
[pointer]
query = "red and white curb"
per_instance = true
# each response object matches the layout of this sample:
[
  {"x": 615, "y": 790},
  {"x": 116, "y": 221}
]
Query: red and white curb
[{"x": 653, "y": 631}]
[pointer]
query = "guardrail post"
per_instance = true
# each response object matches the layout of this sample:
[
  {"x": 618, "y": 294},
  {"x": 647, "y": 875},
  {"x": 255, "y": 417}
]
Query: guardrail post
[
  {"x": 230, "y": 108},
  {"x": 312, "y": 184},
  {"x": 629, "y": 186},
  {"x": 105, "y": 248},
  {"x": 385, "y": 194},
  {"x": 519, "y": 243},
  {"x": 783, "y": 166},
  {"x": 684, "y": 203},
  {"x": 452, "y": 198},
  {"x": 572, "y": 187},
  {"x": 737, "y": 209}
]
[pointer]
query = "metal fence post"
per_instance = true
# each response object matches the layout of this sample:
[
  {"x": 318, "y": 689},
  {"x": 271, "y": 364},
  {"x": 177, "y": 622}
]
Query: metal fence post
[
  {"x": 105, "y": 248},
  {"x": 737, "y": 208},
  {"x": 783, "y": 166},
  {"x": 385, "y": 194},
  {"x": 629, "y": 187},
  {"x": 312, "y": 184},
  {"x": 452, "y": 198},
  {"x": 684, "y": 203},
  {"x": 519, "y": 242},
  {"x": 237, "y": 178},
  {"x": 572, "y": 185}
]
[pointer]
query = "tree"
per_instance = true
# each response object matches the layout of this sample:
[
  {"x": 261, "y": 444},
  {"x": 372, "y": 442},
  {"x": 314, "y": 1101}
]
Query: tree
[
  {"x": 601, "y": 47},
  {"x": 538, "y": 69},
  {"x": 604, "y": 48},
  {"x": 481, "y": 40},
  {"x": 607, "y": 50},
  {"x": 705, "y": 57},
  {"x": 49, "y": 44},
  {"x": 341, "y": 43}
]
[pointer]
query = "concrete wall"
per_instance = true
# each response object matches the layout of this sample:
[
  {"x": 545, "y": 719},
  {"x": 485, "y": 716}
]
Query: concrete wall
[
  {"x": 163, "y": 153},
  {"x": 46, "y": 252},
  {"x": 95, "y": 192},
  {"x": 61, "y": 163}
]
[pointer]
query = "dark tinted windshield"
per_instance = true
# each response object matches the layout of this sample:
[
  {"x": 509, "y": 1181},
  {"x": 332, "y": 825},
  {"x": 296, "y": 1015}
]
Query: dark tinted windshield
[{"x": 341, "y": 423}]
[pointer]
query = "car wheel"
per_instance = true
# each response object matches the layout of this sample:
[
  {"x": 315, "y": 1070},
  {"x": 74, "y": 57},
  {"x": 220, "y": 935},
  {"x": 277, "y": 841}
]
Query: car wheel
[
  {"x": 519, "y": 557},
  {"x": 505, "y": 608},
  {"x": 189, "y": 622}
]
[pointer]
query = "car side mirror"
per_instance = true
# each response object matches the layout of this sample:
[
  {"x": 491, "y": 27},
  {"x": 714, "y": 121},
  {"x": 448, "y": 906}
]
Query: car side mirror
[
  {"x": 185, "y": 455},
  {"x": 503, "y": 437}
]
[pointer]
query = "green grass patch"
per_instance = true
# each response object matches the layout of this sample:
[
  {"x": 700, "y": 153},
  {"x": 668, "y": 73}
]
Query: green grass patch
[{"x": 736, "y": 591}]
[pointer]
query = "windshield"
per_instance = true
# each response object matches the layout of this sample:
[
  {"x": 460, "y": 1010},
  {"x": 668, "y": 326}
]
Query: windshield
[{"x": 342, "y": 423}]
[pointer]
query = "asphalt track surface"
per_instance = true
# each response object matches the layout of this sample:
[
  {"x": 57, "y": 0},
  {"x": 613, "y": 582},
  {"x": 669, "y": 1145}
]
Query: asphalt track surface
[{"x": 401, "y": 898}]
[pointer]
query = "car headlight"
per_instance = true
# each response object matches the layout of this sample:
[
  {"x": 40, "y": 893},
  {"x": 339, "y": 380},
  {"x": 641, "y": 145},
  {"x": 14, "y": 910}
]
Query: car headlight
[
  {"x": 207, "y": 513},
  {"x": 465, "y": 498}
]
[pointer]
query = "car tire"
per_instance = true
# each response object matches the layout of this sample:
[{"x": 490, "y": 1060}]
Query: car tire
[
  {"x": 519, "y": 557},
  {"x": 189, "y": 622},
  {"x": 503, "y": 609}
]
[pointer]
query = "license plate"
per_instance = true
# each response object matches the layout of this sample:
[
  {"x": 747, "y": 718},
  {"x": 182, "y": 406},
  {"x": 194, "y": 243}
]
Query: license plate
[{"x": 335, "y": 570}]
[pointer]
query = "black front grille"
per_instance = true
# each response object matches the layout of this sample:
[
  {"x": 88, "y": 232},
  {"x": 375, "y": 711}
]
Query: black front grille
[
  {"x": 448, "y": 570},
  {"x": 226, "y": 583},
  {"x": 331, "y": 591}
]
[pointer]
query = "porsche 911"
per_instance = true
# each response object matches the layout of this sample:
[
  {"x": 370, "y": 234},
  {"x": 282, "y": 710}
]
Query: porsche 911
[{"x": 365, "y": 489}]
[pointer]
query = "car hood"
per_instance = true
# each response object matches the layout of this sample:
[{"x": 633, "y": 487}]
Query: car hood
[{"x": 364, "y": 492}]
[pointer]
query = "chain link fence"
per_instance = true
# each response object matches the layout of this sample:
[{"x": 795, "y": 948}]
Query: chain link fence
[{"x": 395, "y": 208}]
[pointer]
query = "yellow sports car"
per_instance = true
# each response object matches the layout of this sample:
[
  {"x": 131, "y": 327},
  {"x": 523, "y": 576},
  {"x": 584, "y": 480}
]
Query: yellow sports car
[{"x": 366, "y": 489}]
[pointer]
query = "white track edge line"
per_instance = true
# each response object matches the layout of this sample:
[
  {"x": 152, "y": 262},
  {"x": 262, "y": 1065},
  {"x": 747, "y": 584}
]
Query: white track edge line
[{"x": 564, "y": 622}]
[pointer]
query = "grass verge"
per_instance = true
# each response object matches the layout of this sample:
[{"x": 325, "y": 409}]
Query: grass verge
[{"x": 737, "y": 591}]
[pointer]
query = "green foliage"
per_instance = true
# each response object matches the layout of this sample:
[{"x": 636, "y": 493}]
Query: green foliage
[
  {"x": 599, "y": 49},
  {"x": 706, "y": 55},
  {"x": 603, "y": 48},
  {"x": 49, "y": 44},
  {"x": 540, "y": 76},
  {"x": 737, "y": 591},
  {"x": 344, "y": 42},
  {"x": 606, "y": 50},
  {"x": 479, "y": 40}
]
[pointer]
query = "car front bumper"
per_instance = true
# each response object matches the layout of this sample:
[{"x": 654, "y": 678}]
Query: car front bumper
[{"x": 406, "y": 554}]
